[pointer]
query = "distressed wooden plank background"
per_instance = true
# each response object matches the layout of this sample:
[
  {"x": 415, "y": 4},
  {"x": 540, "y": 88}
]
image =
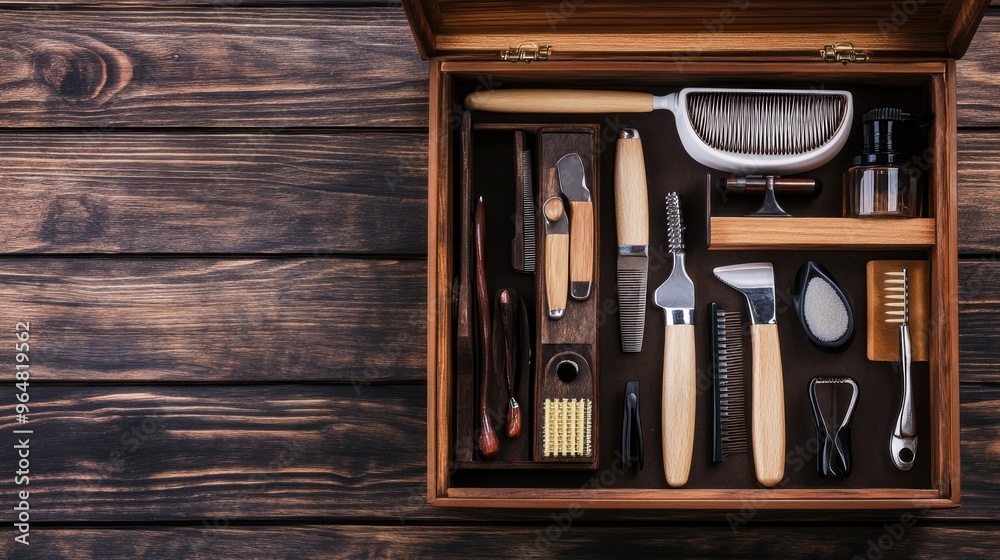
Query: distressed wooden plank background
[{"x": 208, "y": 204}]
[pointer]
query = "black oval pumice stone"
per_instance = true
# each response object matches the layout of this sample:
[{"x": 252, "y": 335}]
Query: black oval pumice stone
[{"x": 823, "y": 308}]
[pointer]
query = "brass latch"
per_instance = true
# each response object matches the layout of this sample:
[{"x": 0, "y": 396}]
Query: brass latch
[
  {"x": 844, "y": 52},
  {"x": 526, "y": 52}
]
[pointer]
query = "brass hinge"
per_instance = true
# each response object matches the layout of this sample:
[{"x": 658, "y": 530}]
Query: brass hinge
[
  {"x": 844, "y": 52},
  {"x": 526, "y": 52}
]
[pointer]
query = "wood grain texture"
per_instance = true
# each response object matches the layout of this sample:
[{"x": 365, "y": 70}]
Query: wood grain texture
[
  {"x": 767, "y": 404},
  {"x": 216, "y": 4},
  {"x": 978, "y": 80},
  {"x": 205, "y": 319},
  {"x": 809, "y": 233},
  {"x": 282, "y": 67},
  {"x": 107, "y": 192},
  {"x": 85, "y": 192},
  {"x": 556, "y": 273},
  {"x": 678, "y": 398},
  {"x": 222, "y": 453},
  {"x": 595, "y": 16},
  {"x": 559, "y": 101},
  {"x": 314, "y": 541},
  {"x": 581, "y": 249},
  {"x": 882, "y": 337},
  {"x": 979, "y": 314},
  {"x": 978, "y": 192},
  {"x": 631, "y": 195},
  {"x": 287, "y": 452},
  {"x": 210, "y": 317}
]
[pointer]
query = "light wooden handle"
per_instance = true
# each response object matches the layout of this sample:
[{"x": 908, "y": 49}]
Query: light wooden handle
[
  {"x": 768, "y": 405},
  {"x": 559, "y": 101},
  {"x": 556, "y": 269},
  {"x": 581, "y": 239},
  {"x": 679, "y": 390},
  {"x": 631, "y": 201}
]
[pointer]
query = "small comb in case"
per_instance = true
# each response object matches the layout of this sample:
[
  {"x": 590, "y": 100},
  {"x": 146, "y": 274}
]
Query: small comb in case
[{"x": 523, "y": 246}]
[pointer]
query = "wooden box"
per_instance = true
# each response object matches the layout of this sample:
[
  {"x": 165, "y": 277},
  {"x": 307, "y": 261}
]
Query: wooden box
[{"x": 886, "y": 52}]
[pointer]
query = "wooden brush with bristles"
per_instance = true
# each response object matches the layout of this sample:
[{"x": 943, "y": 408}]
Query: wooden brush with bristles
[
  {"x": 566, "y": 410},
  {"x": 903, "y": 443},
  {"x": 883, "y": 336}
]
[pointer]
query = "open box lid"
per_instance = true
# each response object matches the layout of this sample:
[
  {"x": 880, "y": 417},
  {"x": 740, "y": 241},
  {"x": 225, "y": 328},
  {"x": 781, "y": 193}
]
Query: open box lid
[{"x": 771, "y": 29}]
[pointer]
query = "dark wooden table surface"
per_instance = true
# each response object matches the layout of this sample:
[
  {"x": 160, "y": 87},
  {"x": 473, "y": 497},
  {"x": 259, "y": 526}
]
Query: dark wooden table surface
[{"x": 209, "y": 209}]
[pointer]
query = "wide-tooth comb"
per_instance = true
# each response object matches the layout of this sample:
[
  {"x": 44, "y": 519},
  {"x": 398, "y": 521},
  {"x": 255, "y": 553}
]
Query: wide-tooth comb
[
  {"x": 897, "y": 297},
  {"x": 744, "y": 131},
  {"x": 729, "y": 420},
  {"x": 766, "y": 123},
  {"x": 528, "y": 211}
]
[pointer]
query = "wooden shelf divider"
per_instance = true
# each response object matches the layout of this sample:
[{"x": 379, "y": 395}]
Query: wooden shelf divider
[{"x": 819, "y": 233}]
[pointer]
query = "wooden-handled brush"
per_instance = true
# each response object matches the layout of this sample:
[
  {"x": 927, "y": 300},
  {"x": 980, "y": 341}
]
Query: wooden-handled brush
[{"x": 747, "y": 131}]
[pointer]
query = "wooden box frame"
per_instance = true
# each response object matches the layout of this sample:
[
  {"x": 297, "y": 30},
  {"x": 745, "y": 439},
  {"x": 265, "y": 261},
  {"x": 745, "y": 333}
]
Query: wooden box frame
[{"x": 942, "y": 246}]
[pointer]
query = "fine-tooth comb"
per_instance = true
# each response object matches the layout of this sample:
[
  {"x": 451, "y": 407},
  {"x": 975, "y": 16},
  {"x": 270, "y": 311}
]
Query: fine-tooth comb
[
  {"x": 523, "y": 250},
  {"x": 528, "y": 210},
  {"x": 729, "y": 420},
  {"x": 766, "y": 123}
]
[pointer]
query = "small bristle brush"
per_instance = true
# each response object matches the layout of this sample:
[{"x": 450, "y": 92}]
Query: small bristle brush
[
  {"x": 567, "y": 428},
  {"x": 746, "y": 131},
  {"x": 729, "y": 421},
  {"x": 903, "y": 444}
]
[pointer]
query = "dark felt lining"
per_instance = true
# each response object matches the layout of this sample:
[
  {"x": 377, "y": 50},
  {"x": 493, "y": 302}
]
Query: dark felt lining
[{"x": 669, "y": 168}]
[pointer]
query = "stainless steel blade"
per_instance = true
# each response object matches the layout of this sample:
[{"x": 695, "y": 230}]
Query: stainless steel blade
[
  {"x": 676, "y": 295},
  {"x": 572, "y": 178},
  {"x": 632, "y": 273},
  {"x": 756, "y": 282}
]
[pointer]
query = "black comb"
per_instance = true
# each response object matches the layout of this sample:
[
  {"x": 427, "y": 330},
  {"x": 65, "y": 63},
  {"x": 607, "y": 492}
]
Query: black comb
[{"x": 729, "y": 421}]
